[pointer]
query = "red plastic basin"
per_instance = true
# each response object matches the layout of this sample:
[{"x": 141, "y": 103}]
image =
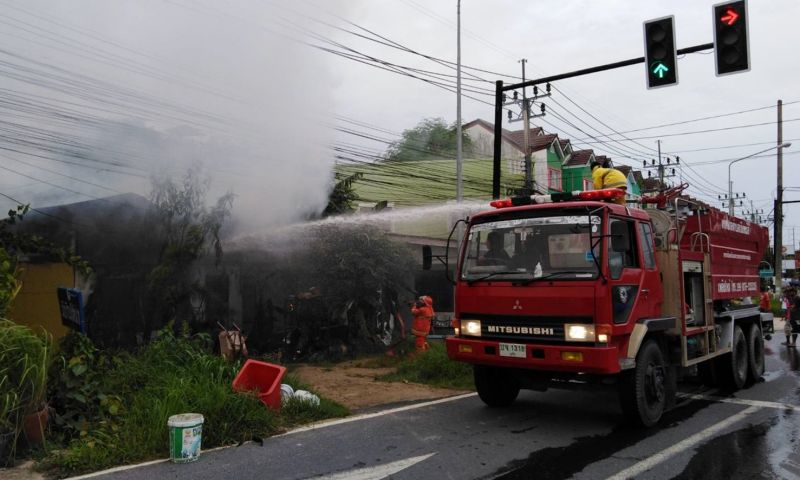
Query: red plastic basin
[{"x": 264, "y": 378}]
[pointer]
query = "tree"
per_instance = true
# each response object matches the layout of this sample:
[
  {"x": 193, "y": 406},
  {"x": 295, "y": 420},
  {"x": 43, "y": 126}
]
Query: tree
[
  {"x": 431, "y": 138},
  {"x": 343, "y": 195},
  {"x": 187, "y": 228}
]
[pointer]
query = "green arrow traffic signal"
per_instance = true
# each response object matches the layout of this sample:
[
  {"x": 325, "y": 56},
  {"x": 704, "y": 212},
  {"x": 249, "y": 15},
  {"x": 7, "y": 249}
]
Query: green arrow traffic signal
[
  {"x": 660, "y": 55},
  {"x": 660, "y": 70}
]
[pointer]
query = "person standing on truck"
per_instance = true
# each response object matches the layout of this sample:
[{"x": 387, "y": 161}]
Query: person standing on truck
[
  {"x": 423, "y": 316},
  {"x": 605, "y": 176}
]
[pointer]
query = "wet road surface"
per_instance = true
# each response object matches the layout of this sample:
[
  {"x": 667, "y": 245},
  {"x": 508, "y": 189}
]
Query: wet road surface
[{"x": 551, "y": 435}]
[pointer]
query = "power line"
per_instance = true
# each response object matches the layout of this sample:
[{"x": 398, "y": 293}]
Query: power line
[
  {"x": 711, "y": 117},
  {"x": 696, "y": 132}
]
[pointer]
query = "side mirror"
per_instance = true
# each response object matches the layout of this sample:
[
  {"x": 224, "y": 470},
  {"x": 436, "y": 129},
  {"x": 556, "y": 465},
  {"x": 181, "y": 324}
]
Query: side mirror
[
  {"x": 620, "y": 239},
  {"x": 427, "y": 257}
]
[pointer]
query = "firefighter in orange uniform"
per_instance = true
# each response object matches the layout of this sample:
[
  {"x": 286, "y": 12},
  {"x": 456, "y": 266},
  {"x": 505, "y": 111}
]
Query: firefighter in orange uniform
[{"x": 423, "y": 315}]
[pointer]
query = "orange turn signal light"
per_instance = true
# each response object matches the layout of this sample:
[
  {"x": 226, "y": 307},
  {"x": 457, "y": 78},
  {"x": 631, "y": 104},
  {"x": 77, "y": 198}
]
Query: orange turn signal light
[{"x": 572, "y": 356}]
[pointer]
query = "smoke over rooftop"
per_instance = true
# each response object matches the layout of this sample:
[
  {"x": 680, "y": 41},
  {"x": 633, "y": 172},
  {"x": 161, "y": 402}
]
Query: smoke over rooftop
[{"x": 96, "y": 97}]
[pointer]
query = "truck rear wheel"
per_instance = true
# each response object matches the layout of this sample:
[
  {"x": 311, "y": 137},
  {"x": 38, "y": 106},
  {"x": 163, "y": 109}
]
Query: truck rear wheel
[
  {"x": 732, "y": 367},
  {"x": 497, "y": 387},
  {"x": 755, "y": 353},
  {"x": 643, "y": 390}
]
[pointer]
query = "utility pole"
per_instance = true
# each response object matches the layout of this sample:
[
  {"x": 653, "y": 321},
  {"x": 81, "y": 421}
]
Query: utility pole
[
  {"x": 526, "y": 135},
  {"x": 779, "y": 204},
  {"x": 459, "y": 181},
  {"x": 660, "y": 167},
  {"x": 664, "y": 169}
]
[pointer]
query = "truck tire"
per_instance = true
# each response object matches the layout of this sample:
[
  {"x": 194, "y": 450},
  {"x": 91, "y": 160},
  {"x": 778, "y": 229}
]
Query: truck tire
[
  {"x": 497, "y": 387},
  {"x": 755, "y": 354},
  {"x": 732, "y": 367},
  {"x": 643, "y": 390}
]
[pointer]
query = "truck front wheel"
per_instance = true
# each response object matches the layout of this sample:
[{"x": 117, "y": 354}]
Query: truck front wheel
[
  {"x": 497, "y": 387},
  {"x": 643, "y": 390}
]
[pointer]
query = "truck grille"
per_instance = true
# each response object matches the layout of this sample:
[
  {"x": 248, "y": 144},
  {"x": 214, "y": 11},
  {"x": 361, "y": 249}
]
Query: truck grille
[{"x": 524, "y": 328}]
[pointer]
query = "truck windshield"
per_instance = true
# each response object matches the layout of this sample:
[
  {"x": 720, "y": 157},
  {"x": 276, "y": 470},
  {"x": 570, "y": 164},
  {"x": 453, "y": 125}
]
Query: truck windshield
[{"x": 525, "y": 249}]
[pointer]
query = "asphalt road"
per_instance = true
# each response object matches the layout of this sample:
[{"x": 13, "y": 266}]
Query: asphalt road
[{"x": 550, "y": 435}]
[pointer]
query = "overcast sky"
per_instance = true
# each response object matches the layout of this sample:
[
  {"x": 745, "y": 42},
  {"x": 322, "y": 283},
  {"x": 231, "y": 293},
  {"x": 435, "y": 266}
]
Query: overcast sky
[{"x": 157, "y": 84}]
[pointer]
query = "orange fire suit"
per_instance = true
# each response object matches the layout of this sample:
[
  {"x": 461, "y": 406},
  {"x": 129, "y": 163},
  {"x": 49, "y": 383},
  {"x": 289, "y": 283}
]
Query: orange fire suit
[{"x": 423, "y": 315}]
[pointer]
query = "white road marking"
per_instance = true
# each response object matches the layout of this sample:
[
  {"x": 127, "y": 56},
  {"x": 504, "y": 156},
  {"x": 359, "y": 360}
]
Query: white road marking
[
  {"x": 742, "y": 401},
  {"x": 313, "y": 426},
  {"x": 356, "y": 418},
  {"x": 652, "y": 461},
  {"x": 377, "y": 472},
  {"x": 137, "y": 465}
]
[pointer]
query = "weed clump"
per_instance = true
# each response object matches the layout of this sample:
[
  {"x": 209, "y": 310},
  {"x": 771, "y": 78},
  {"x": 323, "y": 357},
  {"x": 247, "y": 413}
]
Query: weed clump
[{"x": 122, "y": 416}]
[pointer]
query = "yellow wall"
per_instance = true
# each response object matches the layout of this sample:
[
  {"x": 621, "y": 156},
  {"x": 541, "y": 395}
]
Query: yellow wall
[{"x": 36, "y": 304}]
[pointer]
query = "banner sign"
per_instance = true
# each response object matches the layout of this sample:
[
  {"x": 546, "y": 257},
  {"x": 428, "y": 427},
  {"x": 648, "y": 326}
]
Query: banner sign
[{"x": 70, "y": 302}]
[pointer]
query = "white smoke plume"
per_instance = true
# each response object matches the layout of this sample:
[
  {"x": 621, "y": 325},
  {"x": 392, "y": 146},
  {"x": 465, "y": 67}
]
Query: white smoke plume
[{"x": 101, "y": 95}]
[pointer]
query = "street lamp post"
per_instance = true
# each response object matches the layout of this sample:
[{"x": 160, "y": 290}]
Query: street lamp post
[
  {"x": 730, "y": 183},
  {"x": 459, "y": 186}
]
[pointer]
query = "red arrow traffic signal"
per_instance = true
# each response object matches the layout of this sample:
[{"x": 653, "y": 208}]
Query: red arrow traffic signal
[
  {"x": 730, "y": 17},
  {"x": 731, "y": 50}
]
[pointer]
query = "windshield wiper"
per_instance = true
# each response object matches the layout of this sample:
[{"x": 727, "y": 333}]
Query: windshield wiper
[
  {"x": 490, "y": 275},
  {"x": 553, "y": 274}
]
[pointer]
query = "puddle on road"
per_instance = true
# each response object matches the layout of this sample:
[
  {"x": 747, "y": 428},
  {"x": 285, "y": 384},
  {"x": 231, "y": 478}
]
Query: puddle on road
[
  {"x": 563, "y": 462},
  {"x": 766, "y": 450}
]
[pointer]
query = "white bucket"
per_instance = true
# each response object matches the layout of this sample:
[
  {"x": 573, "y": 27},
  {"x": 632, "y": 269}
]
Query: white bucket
[{"x": 185, "y": 435}]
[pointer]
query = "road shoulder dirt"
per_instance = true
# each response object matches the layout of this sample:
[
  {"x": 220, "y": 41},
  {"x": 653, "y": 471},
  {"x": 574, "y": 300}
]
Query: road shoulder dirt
[{"x": 357, "y": 387}]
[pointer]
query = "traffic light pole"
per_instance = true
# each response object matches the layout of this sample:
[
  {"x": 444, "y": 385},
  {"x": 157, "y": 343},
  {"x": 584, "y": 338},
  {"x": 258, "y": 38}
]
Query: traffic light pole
[
  {"x": 778, "y": 235},
  {"x": 500, "y": 88}
]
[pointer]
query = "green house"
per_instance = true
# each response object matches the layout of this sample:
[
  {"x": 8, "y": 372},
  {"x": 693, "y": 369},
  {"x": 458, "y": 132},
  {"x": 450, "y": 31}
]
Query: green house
[{"x": 576, "y": 173}]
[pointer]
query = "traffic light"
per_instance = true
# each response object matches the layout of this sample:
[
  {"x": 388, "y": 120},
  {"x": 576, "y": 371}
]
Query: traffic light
[
  {"x": 659, "y": 52},
  {"x": 731, "y": 50}
]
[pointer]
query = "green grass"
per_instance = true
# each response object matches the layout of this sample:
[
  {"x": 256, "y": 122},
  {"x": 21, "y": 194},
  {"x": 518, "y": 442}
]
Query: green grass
[
  {"x": 176, "y": 375},
  {"x": 432, "y": 367}
]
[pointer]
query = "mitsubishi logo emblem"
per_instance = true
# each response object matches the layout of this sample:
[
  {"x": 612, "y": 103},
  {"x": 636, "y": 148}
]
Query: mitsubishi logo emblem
[{"x": 516, "y": 306}]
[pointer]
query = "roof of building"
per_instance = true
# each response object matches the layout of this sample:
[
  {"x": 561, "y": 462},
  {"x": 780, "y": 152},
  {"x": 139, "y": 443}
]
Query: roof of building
[
  {"x": 515, "y": 138},
  {"x": 651, "y": 185},
  {"x": 564, "y": 144},
  {"x": 579, "y": 158},
  {"x": 625, "y": 169},
  {"x": 518, "y": 137},
  {"x": 541, "y": 142},
  {"x": 480, "y": 122}
]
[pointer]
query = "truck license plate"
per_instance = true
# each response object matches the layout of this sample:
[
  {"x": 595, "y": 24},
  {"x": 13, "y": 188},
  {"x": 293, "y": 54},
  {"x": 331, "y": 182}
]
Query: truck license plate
[{"x": 512, "y": 350}]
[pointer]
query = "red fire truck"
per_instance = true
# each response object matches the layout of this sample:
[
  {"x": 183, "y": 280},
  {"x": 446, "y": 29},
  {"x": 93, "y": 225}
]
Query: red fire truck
[{"x": 572, "y": 289}]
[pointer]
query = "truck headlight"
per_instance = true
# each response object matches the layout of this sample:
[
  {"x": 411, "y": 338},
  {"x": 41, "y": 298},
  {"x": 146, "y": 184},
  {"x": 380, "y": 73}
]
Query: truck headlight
[
  {"x": 578, "y": 333},
  {"x": 471, "y": 327}
]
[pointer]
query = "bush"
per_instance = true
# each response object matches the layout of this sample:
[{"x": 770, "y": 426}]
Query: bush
[{"x": 174, "y": 374}]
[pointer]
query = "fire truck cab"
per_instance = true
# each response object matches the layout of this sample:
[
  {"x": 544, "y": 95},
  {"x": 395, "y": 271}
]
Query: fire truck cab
[{"x": 570, "y": 289}]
